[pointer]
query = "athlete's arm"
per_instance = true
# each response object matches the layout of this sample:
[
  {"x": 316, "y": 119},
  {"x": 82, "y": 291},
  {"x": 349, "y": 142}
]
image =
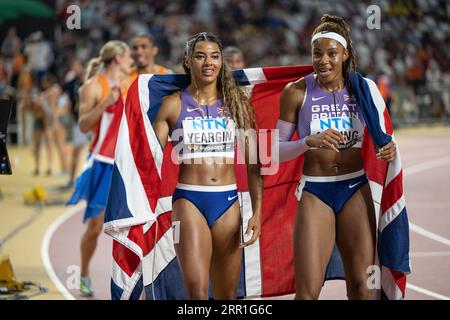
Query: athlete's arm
[
  {"x": 161, "y": 123},
  {"x": 255, "y": 186},
  {"x": 91, "y": 108},
  {"x": 290, "y": 101}
]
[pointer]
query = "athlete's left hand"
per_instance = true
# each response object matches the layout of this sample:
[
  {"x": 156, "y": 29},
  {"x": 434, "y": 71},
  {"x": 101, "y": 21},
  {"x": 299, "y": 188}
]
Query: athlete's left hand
[
  {"x": 254, "y": 224},
  {"x": 388, "y": 152}
]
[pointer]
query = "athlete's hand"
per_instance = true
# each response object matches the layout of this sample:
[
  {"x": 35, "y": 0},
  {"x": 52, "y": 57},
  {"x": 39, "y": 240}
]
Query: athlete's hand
[
  {"x": 329, "y": 139},
  {"x": 254, "y": 224},
  {"x": 388, "y": 152},
  {"x": 112, "y": 96}
]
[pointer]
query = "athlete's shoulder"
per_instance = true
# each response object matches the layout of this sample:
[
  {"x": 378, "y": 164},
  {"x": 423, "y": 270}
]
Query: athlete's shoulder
[
  {"x": 298, "y": 85},
  {"x": 92, "y": 85},
  {"x": 170, "y": 107},
  {"x": 172, "y": 100},
  {"x": 294, "y": 90}
]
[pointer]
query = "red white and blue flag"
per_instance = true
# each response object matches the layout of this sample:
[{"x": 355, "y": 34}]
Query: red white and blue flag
[
  {"x": 138, "y": 213},
  {"x": 386, "y": 184}
]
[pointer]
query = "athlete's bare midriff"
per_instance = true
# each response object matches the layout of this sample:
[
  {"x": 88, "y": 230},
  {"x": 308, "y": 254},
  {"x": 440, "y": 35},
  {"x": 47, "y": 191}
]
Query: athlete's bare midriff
[
  {"x": 208, "y": 173},
  {"x": 330, "y": 163}
]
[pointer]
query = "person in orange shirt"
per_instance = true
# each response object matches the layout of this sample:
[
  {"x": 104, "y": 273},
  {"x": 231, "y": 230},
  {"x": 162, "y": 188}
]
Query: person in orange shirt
[
  {"x": 383, "y": 84},
  {"x": 144, "y": 51},
  {"x": 18, "y": 61},
  {"x": 101, "y": 102}
]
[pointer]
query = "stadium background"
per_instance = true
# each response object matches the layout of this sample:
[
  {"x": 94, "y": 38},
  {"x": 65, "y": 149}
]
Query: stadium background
[{"x": 408, "y": 57}]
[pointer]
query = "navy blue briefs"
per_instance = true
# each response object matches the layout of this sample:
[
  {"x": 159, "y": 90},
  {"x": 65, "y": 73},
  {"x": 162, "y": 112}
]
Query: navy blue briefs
[
  {"x": 334, "y": 191},
  {"x": 211, "y": 201}
]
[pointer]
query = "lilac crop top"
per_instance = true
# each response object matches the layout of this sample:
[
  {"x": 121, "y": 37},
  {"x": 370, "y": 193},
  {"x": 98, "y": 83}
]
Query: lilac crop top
[
  {"x": 202, "y": 131},
  {"x": 323, "y": 110}
]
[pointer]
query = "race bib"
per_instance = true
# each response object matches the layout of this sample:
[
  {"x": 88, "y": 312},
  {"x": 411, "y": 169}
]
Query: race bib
[
  {"x": 209, "y": 134},
  {"x": 351, "y": 128}
]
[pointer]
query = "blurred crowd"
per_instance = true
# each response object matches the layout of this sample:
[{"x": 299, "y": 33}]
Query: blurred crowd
[{"x": 408, "y": 55}]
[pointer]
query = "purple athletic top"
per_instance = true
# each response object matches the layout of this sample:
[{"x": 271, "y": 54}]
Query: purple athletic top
[
  {"x": 322, "y": 110},
  {"x": 202, "y": 131}
]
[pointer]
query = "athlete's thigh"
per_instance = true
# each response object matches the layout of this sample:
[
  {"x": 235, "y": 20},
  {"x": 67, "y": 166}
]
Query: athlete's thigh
[
  {"x": 355, "y": 234},
  {"x": 194, "y": 244},
  {"x": 96, "y": 223},
  {"x": 227, "y": 256},
  {"x": 314, "y": 239},
  {"x": 48, "y": 133},
  {"x": 37, "y": 135}
]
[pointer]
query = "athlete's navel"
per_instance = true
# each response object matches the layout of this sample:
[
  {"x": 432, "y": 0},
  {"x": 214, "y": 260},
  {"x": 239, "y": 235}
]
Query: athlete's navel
[{"x": 335, "y": 168}]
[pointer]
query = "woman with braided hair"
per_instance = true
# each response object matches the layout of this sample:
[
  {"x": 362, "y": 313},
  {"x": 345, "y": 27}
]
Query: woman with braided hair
[
  {"x": 335, "y": 203},
  {"x": 201, "y": 121}
]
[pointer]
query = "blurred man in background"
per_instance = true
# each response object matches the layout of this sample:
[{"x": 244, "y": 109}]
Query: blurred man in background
[
  {"x": 144, "y": 51},
  {"x": 234, "y": 57}
]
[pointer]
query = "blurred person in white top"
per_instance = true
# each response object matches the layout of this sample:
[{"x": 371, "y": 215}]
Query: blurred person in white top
[{"x": 39, "y": 54}]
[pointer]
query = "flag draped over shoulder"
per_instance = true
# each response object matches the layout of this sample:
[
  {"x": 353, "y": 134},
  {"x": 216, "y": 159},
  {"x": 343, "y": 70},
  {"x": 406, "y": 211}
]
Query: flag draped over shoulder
[
  {"x": 138, "y": 213},
  {"x": 386, "y": 184}
]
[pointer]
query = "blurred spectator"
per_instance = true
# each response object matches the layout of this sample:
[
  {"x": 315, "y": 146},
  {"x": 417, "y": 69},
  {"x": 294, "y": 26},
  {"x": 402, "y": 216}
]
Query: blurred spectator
[
  {"x": 5, "y": 89},
  {"x": 17, "y": 62},
  {"x": 384, "y": 85},
  {"x": 73, "y": 81},
  {"x": 41, "y": 128},
  {"x": 412, "y": 34},
  {"x": 10, "y": 45},
  {"x": 39, "y": 54},
  {"x": 143, "y": 52},
  {"x": 56, "y": 105},
  {"x": 415, "y": 74},
  {"x": 233, "y": 56},
  {"x": 433, "y": 77},
  {"x": 26, "y": 84},
  {"x": 405, "y": 105}
]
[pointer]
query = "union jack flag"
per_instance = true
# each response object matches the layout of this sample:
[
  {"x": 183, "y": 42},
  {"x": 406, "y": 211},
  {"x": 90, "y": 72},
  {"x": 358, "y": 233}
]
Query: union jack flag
[{"x": 138, "y": 213}]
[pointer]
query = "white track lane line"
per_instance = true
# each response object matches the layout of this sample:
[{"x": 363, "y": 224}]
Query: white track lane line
[
  {"x": 421, "y": 254},
  {"x": 424, "y": 166},
  {"x": 45, "y": 249},
  {"x": 426, "y": 292},
  {"x": 427, "y": 165},
  {"x": 428, "y": 234}
]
